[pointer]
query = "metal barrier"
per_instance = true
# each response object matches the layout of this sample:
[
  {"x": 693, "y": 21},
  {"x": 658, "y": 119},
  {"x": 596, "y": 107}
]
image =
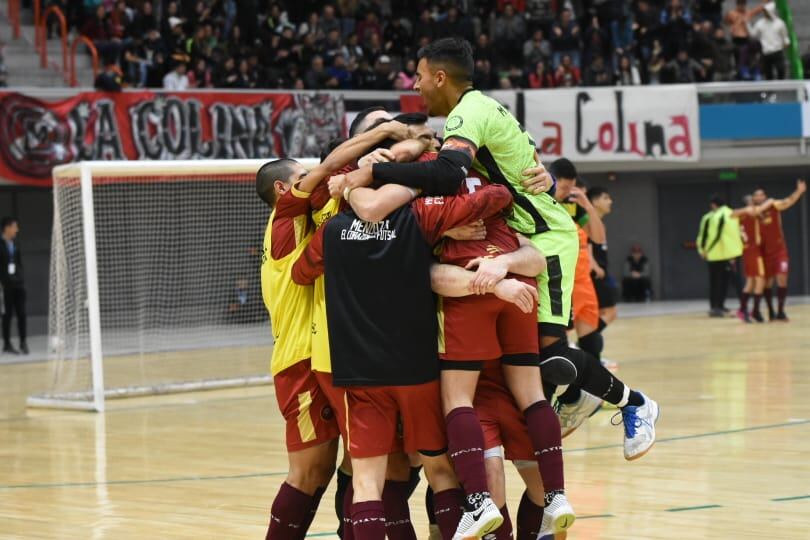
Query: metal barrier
[
  {"x": 93, "y": 53},
  {"x": 43, "y": 35}
]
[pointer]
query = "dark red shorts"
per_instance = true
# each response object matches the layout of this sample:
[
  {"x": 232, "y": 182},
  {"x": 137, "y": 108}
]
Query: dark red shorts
[
  {"x": 475, "y": 328},
  {"x": 307, "y": 412},
  {"x": 776, "y": 263},
  {"x": 336, "y": 397},
  {"x": 501, "y": 420},
  {"x": 753, "y": 263},
  {"x": 378, "y": 416}
]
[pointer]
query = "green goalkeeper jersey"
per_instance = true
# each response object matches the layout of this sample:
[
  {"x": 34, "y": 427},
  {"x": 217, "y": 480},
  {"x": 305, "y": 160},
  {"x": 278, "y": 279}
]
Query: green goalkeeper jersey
[{"x": 505, "y": 150}]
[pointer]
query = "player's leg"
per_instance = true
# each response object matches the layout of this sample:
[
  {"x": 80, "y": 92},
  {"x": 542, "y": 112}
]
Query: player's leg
[
  {"x": 747, "y": 292},
  {"x": 368, "y": 512},
  {"x": 395, "y": 496},
  {"x": 531, "y": 509},
  {"x": 496, "y": 479},
  {"x": 767, "y": 294},
  {"x": 781, "y": 286}
]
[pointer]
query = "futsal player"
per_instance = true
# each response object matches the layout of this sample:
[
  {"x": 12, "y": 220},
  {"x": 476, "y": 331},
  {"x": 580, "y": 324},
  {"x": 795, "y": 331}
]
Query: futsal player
[
  {"x": 388, "y": 372},
  {"x": 753, "y": 263},
  {"x": 311, "y": 429},
  {"x": 479, "y": 128},
  {"x": 607, "y": 291},
  {"x": 774, "y": 249}
]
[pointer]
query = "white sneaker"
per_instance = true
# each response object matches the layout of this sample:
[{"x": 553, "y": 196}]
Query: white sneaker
[
  {"x": 639, "y": 428},
  {"x": 574, "y": 414},
  {"x": 558, "y": 516},
  {"x": 476, "y": 524}
]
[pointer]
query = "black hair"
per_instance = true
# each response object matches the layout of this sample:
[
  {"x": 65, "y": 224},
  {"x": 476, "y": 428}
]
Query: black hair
[
  {"x": 355, "y": 125},
  {"x": 455, "y": 56},
  {"x": 278, "y": 169},
  {"x": 330, "y": 146},
  {"x": 717, "y": 200},
  {"x": 596, "y": 192},
  {"x": 7, "y": 220},
  {"x": 563, "y": 168}
]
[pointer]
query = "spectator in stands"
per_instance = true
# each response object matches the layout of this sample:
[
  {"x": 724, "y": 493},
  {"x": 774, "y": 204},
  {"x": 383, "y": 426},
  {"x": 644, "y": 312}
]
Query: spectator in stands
[
  {"x": 364, "y": 77},
  {"x": 737, "y": 20},
  {"x": 509, "y": 33},
  {"x": 177, "y": 78},
  {"x": 567, "y": 74},
  {"x": 247, "y": 77},
  {"x": 627, "y": 73},
  {"x": 200, "y": 76},
  {"x": 676, "y": 27},
  {"x": 636, "y": 285},
  {"x": 352, "y": 49},
  {"x": 621, "y": 25},
  {"x": 11, "y": 280},
  {"x": 597, "y": 42},
  {"x": 710, "y": 10},
  {"x": 407, "y": 76},
  {"x": 329, "y": 21},
  {"x": 684, "y": 69},
  {"x": 597, "y": 73},
  {"x": 724, "y": 59},
  {"x": 541, "y": 76},
  {"x": 704, "y": 49},
  {"x": 3, "y": 74},
  {"x": 425, "y": 26},
  {"x": 456, "y": 24},
  {"x": 109, "y": 80},
  {"x": 540, "y": 14},
  {"x": 368, "y": 27},
  {"x": 134, "y": 63},
  {"x": 396, "y": 38},
  {"x": 100, "y": 31},
  {"x": 316, "y": 77},
  {"x": 772, "y": 34},
  {"x": 483, "y": 49},
  {"x": 339, "y": 73},
  {"x": 657, "y": 64},
  {"x": 384, "y": 74},
  {"x": 565, "y": 36},
  {"x": 483, "y": 77},
  {"x": 646, "y": 30},
  {"x": 536, "y": 49}
]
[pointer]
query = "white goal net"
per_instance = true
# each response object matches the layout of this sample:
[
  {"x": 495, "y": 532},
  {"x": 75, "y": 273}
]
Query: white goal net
[{"x": 154, "y": 280}]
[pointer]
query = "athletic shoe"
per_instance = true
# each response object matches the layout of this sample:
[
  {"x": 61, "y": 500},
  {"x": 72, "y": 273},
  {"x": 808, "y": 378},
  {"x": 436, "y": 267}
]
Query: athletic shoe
[
  {"x": 10, "y": 349},
  {"x": 558, "y": 515},
  {"x": 558, "y": 370},
  {"x": 476, "y": 523},
  {"x": 781, "y": 317},
  {"x": 743, "y": 316},
  {"x": 572, "y": 415},
  {"x": 757, "y": 317},
  {"x": 24, "y": 348},
  {"x": 434, "y": 532},
  {"x": 717, "y": 314},
  {"x": 639, "y": 428}
]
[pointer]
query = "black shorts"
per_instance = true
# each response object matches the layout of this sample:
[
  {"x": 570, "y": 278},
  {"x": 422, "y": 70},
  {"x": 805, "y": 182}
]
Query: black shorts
[{"x": 607, "y": 292}]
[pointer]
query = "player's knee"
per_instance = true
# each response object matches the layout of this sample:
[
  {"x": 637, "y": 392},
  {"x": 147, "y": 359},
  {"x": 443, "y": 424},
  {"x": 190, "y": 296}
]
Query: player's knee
[
  {"x": 309, "y": 475},
  {"x": 439, "y": 472},
  {"x": 556, "y": 364},
  {"x": 496, "y": 480}
]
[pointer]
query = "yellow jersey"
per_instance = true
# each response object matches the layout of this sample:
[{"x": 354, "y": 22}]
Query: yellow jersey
[{"x": 321, "y": 359}]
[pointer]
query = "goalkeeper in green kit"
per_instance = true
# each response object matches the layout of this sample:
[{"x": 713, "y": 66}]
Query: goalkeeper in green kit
[{"x": 480, "y": 133}]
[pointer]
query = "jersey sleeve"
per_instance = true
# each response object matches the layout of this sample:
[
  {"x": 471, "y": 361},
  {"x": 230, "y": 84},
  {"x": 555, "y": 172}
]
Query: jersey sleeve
[
  {"x": 293, "y": 203},
  {"x": 437, "y": 215},
  {"x": 310, "y": 264},
  {"x": 291, "y": 208},
  {"x": 467, "y": 122}
]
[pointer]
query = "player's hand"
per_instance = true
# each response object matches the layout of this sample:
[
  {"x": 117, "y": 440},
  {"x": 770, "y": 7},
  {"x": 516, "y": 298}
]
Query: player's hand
[
  {"x": 598, "y": 271},
  {"x": 523, "y": 295},
  {"x": 361, "y": 177},
  {"x": 579, "y": 197},
  {"x": 396, "y": 130},
  {"x": 336, "y": 185},
  {"x": 380, "y": 155},
  {"x": 801, "y": 185},
  {"x": 472, "y": 231},
  {"x": 489, "y": 272},
  {"x": 538, "y": 179},
  {"x": 421, "y": 132}
]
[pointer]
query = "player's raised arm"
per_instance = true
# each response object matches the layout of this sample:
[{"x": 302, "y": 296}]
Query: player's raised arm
[
  {"x": 793, "y": 198},
  {"x": 374, "y": 204},
  {"x": 310, "y": 264},
  {"x": 453, "y": 281},
  {"x": 526, "y": 261}
]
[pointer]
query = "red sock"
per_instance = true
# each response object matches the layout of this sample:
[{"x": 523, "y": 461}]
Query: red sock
[
  {"x": 289, "y": 511},
  {"x": 465, "y": 446},
  {"x": 504, "y": 532},
  {"x": 447, "y": 509},
  {"x": 781, "y": 294},
  {"x": 348, "y": 530},
  {"x": 313, "y": 509},
  {"x": 544, "y": 431},
  {"x": 368, "y": 520},
  {"x": 529, "y": 518},
  {"x": 398, "y": 524}
]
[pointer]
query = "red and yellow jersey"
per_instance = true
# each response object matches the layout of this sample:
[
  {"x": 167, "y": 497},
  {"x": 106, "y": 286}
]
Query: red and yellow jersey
[
  {"x": 750, "y": 232},
  {"x": 321, "y": 360},
  {"x": 289, "y": 305},
  {"x": 770, "y": 228}
]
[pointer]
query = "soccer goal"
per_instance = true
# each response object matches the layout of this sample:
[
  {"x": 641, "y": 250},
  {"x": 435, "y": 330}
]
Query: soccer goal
[{"x": 154, "y": 281}]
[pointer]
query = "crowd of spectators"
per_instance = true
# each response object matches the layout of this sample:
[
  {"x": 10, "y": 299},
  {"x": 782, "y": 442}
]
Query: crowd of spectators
[{"x": 372, "y": 44}]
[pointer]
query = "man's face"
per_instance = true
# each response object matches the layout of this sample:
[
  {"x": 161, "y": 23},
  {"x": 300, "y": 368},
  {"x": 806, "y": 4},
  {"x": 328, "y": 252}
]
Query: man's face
[
  {"x": 282, "y": 186},
  {"x": 603, "y": 203},
  {"x": 564, "y": 186},
  {"x": 11, "y": 230},
  {"x": 760, "y": 196},
  {"x": 429, "y": 84}
]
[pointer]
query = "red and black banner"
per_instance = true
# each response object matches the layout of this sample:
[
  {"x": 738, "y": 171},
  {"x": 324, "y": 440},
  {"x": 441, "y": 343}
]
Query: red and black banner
[{"x": 36, "y": 135}]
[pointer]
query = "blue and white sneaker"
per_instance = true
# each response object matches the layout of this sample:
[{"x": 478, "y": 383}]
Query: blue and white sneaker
[{"x": 639, "y": 427}]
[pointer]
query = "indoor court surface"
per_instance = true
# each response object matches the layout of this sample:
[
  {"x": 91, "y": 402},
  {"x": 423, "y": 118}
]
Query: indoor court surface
[{"x": 732, "y": 459}]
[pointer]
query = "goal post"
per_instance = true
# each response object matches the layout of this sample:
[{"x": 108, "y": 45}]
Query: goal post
[{"x": 154, "y": 281}]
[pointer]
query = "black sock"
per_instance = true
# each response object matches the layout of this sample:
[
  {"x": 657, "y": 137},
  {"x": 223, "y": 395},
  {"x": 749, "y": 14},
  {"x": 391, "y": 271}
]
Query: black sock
[
  {"x": 592, "y": 343},
  {"x": 768, "y": 294},
  {"x": 431, "y": 513},
  {"x": 571, "y": 395},
  {"x": 343, "y": 482},
  {"x": 602, "y": 325},
  {"x": 413, "y": 481},
  {"x": 635, "y": 399},
  {"x": 594, "y": 378}
]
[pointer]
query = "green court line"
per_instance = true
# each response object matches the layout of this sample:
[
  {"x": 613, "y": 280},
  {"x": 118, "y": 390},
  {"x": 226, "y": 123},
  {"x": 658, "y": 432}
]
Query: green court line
[
  {"x": 145, "y": 481},
  {"x": 688, "y": 508},
  {"x": 320, "y": 534},
  {"x": 796, "y": 498},
  {"x": 596, "y": 516}
]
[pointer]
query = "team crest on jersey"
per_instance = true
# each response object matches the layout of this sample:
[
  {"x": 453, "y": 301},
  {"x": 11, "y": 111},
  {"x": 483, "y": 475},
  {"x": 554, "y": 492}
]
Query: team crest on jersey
[
  {"x": 327, "y": 413},
  {"x": 454, "y": 123}
]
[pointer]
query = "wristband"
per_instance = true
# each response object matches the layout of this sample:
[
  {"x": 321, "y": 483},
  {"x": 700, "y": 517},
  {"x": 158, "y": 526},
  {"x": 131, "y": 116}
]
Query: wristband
[{"x": 347, "y": 193}]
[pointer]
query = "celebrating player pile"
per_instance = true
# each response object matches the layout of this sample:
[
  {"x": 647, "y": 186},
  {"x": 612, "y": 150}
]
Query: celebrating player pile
[{"x": 507, "y": 253}]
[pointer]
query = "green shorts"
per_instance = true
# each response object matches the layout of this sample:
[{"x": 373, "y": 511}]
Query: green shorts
[{"x": 556, "y": 284}]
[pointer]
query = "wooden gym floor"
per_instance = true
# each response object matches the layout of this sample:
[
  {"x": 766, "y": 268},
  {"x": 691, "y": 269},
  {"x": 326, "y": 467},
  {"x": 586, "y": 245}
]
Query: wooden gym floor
[{"x": 732, "y": 459}]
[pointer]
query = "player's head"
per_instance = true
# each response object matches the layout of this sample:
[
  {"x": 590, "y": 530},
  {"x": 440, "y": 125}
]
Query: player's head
[
  {"x": 367, "y": 119},
  {"x": 600, "y": 199},
  {"x": 10, "y": 227},
  {"x": 445, "y": 66},
  {"x": 275, "y": 177},
  {"x": 716, "y": 201},
  {"x": 566, "y": 175},
  {"x": 759, "y": 196},
  {"x": 748, "y": 200},
  {"x": 331, "y": 145}
]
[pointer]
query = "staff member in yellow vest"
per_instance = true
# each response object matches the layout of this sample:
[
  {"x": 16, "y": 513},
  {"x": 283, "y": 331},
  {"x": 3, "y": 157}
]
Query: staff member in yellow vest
[{"x": 720, "y": 244}]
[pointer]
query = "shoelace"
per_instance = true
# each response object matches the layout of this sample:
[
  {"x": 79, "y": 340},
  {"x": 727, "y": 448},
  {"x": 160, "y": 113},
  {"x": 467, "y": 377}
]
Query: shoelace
[{"x": 630, "y": 420}]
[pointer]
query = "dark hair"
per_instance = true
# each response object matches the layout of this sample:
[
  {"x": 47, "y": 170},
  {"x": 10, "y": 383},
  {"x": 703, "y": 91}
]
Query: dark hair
[
  {"x": 278, "y": 169},
  {"x": 7, "y": 220},
  {"x": 330, "y": 146},
  {"x": 563, "y": 168},
  {"x": 596, "y": 191},
  {"x": 717, "y": 200},
  {"x": 355, "y": 125},
  {"x": 759, "y": 188},
  {"x": 454, "y": 54}
]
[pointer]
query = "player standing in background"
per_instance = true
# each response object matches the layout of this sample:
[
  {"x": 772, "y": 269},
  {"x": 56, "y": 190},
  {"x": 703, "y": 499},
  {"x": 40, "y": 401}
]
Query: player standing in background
[
  {"x": 774, "y": 250},
  {"x": 607, "y": 290},
  {"x": 753, "y": 263}
]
